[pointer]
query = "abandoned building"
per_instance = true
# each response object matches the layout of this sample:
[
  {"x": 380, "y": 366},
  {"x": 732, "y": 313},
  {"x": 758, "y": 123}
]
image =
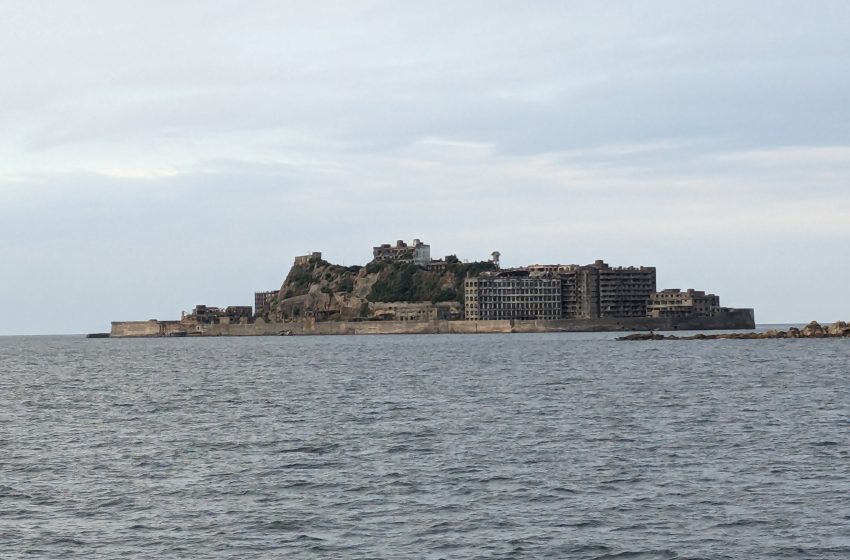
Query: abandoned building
[
  {"x": 688, "y": 303},
  {"x": 262, "y": 300},
  {"x": 583, "y": 292},
  {"x": 203, "y": 314},
  {"x": 417, "y": 253},
  {"x": 304, "y": 260},
  {"x": 512, "y": 294}
]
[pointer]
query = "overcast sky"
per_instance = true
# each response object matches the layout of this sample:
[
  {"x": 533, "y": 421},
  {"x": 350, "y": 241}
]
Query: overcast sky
[{"x": 158, "y": 155}]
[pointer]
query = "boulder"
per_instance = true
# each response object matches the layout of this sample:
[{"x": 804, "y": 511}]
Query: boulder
[
  {"x": 813, "y": 330},
  {"x": 836, "y": 329}
]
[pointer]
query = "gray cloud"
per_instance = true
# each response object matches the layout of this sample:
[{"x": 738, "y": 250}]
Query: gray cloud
[{"x": 215, "y": 140}]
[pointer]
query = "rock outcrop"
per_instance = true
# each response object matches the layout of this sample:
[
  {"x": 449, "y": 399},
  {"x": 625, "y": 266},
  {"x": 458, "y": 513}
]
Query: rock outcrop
[
  {"x": 812, "y": 330},
  {"x": 325, "y": 291}
]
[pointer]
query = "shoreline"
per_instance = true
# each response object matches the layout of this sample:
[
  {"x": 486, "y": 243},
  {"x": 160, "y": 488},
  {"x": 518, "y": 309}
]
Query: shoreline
[{"x": 739, "y": 319}]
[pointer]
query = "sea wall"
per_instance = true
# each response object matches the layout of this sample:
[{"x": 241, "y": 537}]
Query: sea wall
[
  {"x": 150, "y": 328},
  {"x": 734, "y": 319},
  {"x": 135, "y": 328}
]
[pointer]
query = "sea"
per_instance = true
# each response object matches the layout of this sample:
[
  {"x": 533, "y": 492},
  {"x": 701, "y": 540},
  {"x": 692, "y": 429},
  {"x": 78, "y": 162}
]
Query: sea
[{"x": 559, "y": 445}]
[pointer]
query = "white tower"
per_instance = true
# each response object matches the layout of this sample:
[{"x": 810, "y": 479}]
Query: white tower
[{"x": 495, "y": 259}]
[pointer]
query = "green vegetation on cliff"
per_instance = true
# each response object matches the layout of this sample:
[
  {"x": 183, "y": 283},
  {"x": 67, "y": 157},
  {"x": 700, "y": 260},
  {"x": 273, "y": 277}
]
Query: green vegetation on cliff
[
  {"x": 408, "y": 282},
  {"x": 329, "y": 291},
  {"x": 329, "y": 278}
]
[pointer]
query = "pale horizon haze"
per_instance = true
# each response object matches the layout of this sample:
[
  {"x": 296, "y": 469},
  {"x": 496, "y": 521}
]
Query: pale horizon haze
[{"x": 159, "y": 155}]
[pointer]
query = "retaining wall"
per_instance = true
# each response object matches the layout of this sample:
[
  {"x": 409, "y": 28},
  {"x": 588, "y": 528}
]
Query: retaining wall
[{"x": 735, "y": 319}]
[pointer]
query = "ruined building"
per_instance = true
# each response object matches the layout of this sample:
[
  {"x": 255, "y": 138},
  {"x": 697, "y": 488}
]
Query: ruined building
[
  {"x": 417, "y": 253},
  {"x": 262, "y": 301},
  {"x": 560, "y": 291},
  {"x": 206, "y": 315},
  {"x": 688, "y": 303},
  {"x": 599, "y": 290},
  {"x": 512, "y": 294}
]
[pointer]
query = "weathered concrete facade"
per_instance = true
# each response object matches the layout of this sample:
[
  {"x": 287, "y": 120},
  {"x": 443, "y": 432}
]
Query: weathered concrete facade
[
  {"x": 600, "y": 290},
  {"x": 678, "y": 303},
  {"x": 731, "y": 319},
  {"x": 584, "y": 292},
  {"x": 151, "y": 328},
  {"x": 417, "y": 253},
  {"x": 262, "y": 300},
  {"x": 511, "y": 294}
]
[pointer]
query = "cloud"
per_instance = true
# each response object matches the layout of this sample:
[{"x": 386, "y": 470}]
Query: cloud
[
  {"x": 791, "y": 156},
  {"x": 222, "y": 140}
]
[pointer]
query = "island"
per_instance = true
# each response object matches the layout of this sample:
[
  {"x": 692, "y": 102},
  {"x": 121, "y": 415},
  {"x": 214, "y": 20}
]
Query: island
[{"x": 402, "y": 290}]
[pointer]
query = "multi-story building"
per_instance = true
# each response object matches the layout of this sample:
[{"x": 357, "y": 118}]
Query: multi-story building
[
  {"x": 417, "y": 253},
  {"x": 262, "y": 300},
  {"x": 512, "y": 294},
  {"x": 599, "y": 290},
  {"x": 678, "y": 303},
  {"x": 624, "y": 291},
  {"x": 582, "y": 292}
]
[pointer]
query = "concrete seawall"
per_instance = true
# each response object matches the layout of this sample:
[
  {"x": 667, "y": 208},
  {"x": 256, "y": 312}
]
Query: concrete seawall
[{"x": 734, "y": 319}]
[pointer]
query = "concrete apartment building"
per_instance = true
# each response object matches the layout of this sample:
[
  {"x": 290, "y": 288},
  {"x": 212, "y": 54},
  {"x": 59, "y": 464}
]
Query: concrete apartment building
[
  {"x": 599, "y": 290},
  {"x": 624, "y": 291},
  {"x": 262, "y": 300},
  {"x": 417, "y": 253},
  {"x": 678, "y": 303},
  {"x": 512, "y": 294},
  {"x": 579, "y": 292}
]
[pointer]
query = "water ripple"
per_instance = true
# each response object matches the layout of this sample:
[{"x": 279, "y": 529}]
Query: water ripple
[{"x": 437, "y": 447}]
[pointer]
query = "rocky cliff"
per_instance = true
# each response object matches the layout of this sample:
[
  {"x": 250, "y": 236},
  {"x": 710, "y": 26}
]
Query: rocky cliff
[{"x": 317, "y": 288}]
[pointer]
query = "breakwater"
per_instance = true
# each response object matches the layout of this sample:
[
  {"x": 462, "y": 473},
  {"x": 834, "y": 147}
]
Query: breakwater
[
  {"x": 814, "y": 329},
  {"x": 733, "y": 319}
]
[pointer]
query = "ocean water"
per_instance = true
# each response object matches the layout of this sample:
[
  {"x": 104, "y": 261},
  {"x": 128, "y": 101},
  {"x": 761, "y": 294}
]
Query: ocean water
[{"x": 424, "y": 447}]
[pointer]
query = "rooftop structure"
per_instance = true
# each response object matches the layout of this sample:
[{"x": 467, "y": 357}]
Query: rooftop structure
[
  {"x": 417, "y": 253},
  {"x": 303, "y": 260}
]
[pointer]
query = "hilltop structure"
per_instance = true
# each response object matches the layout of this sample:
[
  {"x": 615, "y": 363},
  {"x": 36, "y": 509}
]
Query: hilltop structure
[{"x": 417, "y": 253}]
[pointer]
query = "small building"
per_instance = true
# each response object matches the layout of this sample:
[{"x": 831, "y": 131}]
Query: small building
[
  {"x": 303, "y": 260},
  {"x": 262, "y": 300},
  {"x": 402, "y": 311},
  {"x": 678, "y": 303},
  {"x": 203, "y": 314}
]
